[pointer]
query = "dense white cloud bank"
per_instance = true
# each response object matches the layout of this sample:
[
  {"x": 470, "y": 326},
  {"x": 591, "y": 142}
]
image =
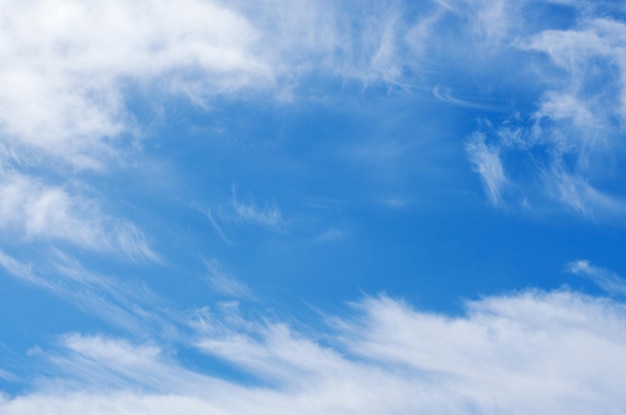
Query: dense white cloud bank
[{"x": 532, "y": 352}]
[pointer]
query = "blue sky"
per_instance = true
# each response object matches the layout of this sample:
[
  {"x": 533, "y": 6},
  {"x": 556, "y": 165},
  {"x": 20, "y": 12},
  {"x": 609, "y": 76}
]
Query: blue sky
[{"x": 370, "y": 207}]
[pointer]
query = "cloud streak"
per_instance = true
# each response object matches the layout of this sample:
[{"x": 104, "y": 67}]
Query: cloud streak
[
  {"x": 575, "y": 125},
  {"x": 224, "y": 283},
  {"x": 70, "y": 72},
  {"x": 124, "y": 304},
  {"x": 487, "y": 163},
  {"x": 609, "y": 281},
  {"x": 34, "y": 210},
  {"x": 388, "y": 358},
  {"x": 237, "y": 213}
]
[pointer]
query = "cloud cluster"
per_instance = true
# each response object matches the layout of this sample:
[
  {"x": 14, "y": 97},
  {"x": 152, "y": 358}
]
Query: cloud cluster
[
  {"x": 570, "y": 140},
  {"x": 72, "y": 68},
  {"x": 69, "y": 72},
  {"x": 532, "y": 352},
  {"x": 69, "y": 66}
]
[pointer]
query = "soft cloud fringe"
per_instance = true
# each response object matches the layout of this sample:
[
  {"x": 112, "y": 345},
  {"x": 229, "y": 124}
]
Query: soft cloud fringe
[
  {"x": 236, "y": 212},
  {"x": 223, "y": 282},
  {"x": 123, "y": 304},
  {"x": 486, "y": 161},
  {"x": 573, "y": 134},
  {"x": 388, "y": 359},
  {"x": 68, "y": 64},
  {"x": 605, "y": 279},
  {"x": 31, "y": 209},
  {"x": 70, "y": 68},
  {"x": 576, "y": 192}
]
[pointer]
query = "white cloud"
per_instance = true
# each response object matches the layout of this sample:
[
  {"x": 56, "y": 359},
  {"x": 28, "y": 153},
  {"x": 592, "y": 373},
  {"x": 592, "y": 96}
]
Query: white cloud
[
  {"x": 270, "y": 217},
  {"x": 533, "y": 352},
  {"x": 445, "y": 95},
  {"x": 33, "y": 210},
  {"x": 225, "y": 283},
  {"x": 67, "y": 63},
  {"x": 20, "y": 270},
  {"x": 605, "y": 279},
  {"x": 575, "y": 130},
  {"x": 236, "y": 212},
  {"x": 331, "y": 234},
  {"x": 576, "y": 192},
  {"x": 123, "y": 304},
  {"x": 486, "y": 160}
]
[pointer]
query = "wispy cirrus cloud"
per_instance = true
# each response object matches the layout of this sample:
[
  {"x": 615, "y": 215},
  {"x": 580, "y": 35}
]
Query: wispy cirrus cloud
[
  {"x": 487, "y": 163},
  {"x": 225, "y": 283},
  {"x": 68, "y": 65},
  {"x": 69, "y": 76},
  {"x": 129, "y": 305},
  {"x": 236, "y": 212},
  {"x": 31, "y": 209},
  {"x": 570, "y": 139},
  {"x": 70, "y": 70},
  {"x": 388, "y": 358},
  {"x": 609, "y": 281}
]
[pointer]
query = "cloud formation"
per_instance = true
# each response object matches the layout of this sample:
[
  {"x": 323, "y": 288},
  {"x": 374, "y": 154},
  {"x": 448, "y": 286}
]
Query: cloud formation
[
  {"x": 68, "y": 64},
  {"x": 487, "y": 163},
  {"x": 35, "y": 210},
  {"x": 570, "y": 137},
  {"x": 388, "y": 358},
  {"x": 236, "y": 213},
  {"x": 609, "y": 281},
  {"x": 70, "y": 73},
  {"x": 223, "y": 282},
  {"x": 129, "y": 304}
]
